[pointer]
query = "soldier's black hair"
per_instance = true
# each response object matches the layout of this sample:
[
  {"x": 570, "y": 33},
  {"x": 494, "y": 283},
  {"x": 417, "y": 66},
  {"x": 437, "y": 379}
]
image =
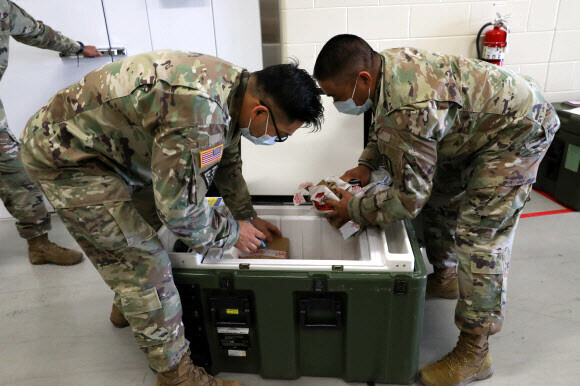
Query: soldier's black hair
[
  {"x": 342, "y": 57},
  {"x": 293, "y": 91}
]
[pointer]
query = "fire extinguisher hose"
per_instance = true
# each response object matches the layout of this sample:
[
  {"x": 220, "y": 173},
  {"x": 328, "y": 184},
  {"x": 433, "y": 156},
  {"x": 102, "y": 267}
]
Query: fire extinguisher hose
[{"x": 477, "y": 40}]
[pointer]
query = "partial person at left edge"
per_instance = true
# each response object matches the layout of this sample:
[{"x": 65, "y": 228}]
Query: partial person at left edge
[{"x": 19, "y": 194}]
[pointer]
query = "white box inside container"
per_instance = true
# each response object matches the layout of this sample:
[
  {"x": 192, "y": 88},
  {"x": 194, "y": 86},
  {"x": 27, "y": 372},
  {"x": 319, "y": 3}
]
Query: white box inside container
[{"x": 314, "y": 246}]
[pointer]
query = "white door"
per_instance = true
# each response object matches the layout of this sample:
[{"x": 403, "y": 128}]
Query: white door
[
  {"x": 238, "y": 34},
  {"x": 182, "y": 25},
  {"x": 229, "y": 29},
  {"x": 34, "y": 75},
  {"x": 128, "y": 25}
]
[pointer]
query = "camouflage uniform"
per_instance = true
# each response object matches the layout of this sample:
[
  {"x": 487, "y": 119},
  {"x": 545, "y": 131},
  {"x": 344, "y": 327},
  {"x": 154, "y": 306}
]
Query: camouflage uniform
[
  {"x": 19, "y": 194},
  {"x": 465, "y": 138},
  {"x": 147, "y": 132}
]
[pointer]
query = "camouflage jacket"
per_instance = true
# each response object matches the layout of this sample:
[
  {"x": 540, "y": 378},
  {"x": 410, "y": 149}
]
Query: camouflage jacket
[
  {"x": 441, "y": 109},
  {"x": 15, "y": 22},
  {"x": 166, "y": 117}
]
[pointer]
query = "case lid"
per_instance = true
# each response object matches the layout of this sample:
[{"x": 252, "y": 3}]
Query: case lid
[{"x": 273, "y": 173}]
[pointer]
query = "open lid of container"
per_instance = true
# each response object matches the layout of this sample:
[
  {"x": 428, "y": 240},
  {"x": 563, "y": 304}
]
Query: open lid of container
[{"x": 273, "y": 173}]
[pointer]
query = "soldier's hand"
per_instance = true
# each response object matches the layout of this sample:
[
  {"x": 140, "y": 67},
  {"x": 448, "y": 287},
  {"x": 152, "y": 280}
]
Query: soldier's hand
[
  {"x": 91, "y": 52},
  {"x": 361, "y": 173},
  {"x": 339, "y": 216},
  {"x": 249, "y": 238},
  {"x": 266, "y": 228}
]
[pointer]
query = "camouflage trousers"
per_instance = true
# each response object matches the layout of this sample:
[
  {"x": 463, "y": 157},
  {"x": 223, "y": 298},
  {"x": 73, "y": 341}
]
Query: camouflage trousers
[
  {"x": 474, "y": 230},
  {"x": 471, "y": 225},
  {"x": 120, "y": 239},
  {"x": 19, "y": 194}
]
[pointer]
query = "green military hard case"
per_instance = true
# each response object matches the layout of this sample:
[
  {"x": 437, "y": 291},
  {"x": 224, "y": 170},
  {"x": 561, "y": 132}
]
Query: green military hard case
[
  {"x": 359, "y": 325},
  {"x": 559, "y": 172}
]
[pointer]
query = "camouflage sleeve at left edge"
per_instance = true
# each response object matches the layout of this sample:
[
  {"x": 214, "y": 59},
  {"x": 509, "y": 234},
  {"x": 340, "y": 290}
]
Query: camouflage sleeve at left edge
[
  {"x": 25, "y": 29},
  {"x": 179, "y": 192},
  {"x": 231, "y": 184},
  {"x": 409, "y": 149}
]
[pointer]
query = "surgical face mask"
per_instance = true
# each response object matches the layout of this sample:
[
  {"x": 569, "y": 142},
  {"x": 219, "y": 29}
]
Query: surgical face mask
[
  {"x": 264, "y": 139},
  {"x": 349, "y": 107}
]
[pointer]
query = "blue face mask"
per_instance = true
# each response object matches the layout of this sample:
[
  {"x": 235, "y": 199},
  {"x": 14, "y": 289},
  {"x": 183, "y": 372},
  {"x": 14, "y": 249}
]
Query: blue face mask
[
  {"x": 349, "y": 107},
  {"x": 263, "y": 140}
]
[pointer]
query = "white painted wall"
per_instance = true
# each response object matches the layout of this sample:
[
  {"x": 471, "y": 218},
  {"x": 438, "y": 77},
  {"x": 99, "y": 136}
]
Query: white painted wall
[{"x": 544, "y": 43}]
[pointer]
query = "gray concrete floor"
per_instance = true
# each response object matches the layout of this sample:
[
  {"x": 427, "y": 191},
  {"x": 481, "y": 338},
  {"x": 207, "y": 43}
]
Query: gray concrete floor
[{"x": 54, "y": 327}]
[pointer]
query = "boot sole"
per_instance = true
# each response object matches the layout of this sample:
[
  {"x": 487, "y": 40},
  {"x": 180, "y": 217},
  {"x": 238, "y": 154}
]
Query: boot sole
[
  {"x": 43, "y": 262},
  {"x": 120, "y": 325},
  {"x": 479, "y": 376}
]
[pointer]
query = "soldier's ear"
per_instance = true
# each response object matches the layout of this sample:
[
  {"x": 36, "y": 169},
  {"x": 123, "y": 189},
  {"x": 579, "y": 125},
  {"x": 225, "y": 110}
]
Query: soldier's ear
[
  {"x": 261, "y": 109},
  {"x": 257, "y": 111},
  {"x": 365, "y": 78}
]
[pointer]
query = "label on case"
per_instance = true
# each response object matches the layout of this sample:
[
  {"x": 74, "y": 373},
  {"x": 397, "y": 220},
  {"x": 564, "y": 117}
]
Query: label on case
[{"x": 233, "y": 330}]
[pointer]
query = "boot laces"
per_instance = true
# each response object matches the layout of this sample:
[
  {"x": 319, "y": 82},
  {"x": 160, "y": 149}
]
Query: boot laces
[
  {"x": 201, "y": 374},
  {"x": 55, "y": 246},
  {"x": 193, "y": 371},
  {"x": 454, "y": 358}
]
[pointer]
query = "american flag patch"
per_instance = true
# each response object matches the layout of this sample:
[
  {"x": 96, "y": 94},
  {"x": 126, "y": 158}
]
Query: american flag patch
[{"x": 210, "y": 156}]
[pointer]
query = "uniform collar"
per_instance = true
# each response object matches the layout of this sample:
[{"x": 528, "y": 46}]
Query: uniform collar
[
  {"x": 236, "y": 98},
  {"x": 380, "y": 85}
]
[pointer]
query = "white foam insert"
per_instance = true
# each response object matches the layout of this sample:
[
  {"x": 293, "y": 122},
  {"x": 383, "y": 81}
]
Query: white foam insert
[{"x": 314, "y": 246}]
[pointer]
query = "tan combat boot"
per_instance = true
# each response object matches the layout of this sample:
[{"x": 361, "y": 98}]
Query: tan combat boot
[
  {"x": 469, "y": 361},
  {"x": 43, "y": 251},
  {"x": 117, "y": 317},
  {"x": 442, "y": 284},
  {"x": 187, "y": 374}
]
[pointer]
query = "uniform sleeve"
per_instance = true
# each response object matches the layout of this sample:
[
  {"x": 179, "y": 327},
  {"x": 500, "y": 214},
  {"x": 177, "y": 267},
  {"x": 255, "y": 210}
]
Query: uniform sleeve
[
  {"x": 408, "y": 146},
  {"x": 231, "y": 184},
  {"x": 179, "y": 192},
  {"x": 371, "y": 156},
  {"x": 25, "y": 29}
]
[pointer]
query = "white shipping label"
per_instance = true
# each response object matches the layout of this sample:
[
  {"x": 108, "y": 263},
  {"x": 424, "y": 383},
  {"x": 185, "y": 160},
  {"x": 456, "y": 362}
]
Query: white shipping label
[
  {"x": 233, "y": 330},
  {"x": 493, "y": 53},
  {"x": 236, "y": 353}
]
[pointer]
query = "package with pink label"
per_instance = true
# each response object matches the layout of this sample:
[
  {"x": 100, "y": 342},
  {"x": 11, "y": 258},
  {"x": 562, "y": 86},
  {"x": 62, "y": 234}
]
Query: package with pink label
[{"x": 327, "y": 189}]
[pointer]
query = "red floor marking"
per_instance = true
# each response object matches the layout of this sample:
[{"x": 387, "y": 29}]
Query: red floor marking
[
  {"x": 548, "y": 213},
  {"x": 551, "y": 198}
]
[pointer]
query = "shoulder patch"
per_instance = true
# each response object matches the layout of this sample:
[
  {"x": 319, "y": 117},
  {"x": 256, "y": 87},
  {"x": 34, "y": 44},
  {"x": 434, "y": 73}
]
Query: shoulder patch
[
  {"x": 210, "y": 156},
  {"x": 208, "y": 175}
]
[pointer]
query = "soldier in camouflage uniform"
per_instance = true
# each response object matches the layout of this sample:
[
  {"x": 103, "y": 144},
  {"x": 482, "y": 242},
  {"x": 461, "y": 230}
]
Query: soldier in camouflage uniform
[
  {"x": 141, "y": 140},
  {"x": 19, "y": 194},
  {"x": 463, "y": 138}
]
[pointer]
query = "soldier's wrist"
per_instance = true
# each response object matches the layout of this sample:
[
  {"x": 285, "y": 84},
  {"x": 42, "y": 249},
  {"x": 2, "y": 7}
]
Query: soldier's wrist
[
  {"x": 81, "y": 49},
  {"x": 234, "y": 233},
  {"x": 367, "y": 164}
]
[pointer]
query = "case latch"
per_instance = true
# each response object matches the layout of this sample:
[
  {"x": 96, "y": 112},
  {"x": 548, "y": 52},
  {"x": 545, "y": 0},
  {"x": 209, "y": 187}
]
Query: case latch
[{"x": 400, "y": 287}]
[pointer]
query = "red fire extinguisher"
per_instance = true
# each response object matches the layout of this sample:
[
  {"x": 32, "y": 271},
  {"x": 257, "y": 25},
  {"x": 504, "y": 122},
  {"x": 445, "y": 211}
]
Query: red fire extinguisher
[{"x": 495, "y": 43}]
